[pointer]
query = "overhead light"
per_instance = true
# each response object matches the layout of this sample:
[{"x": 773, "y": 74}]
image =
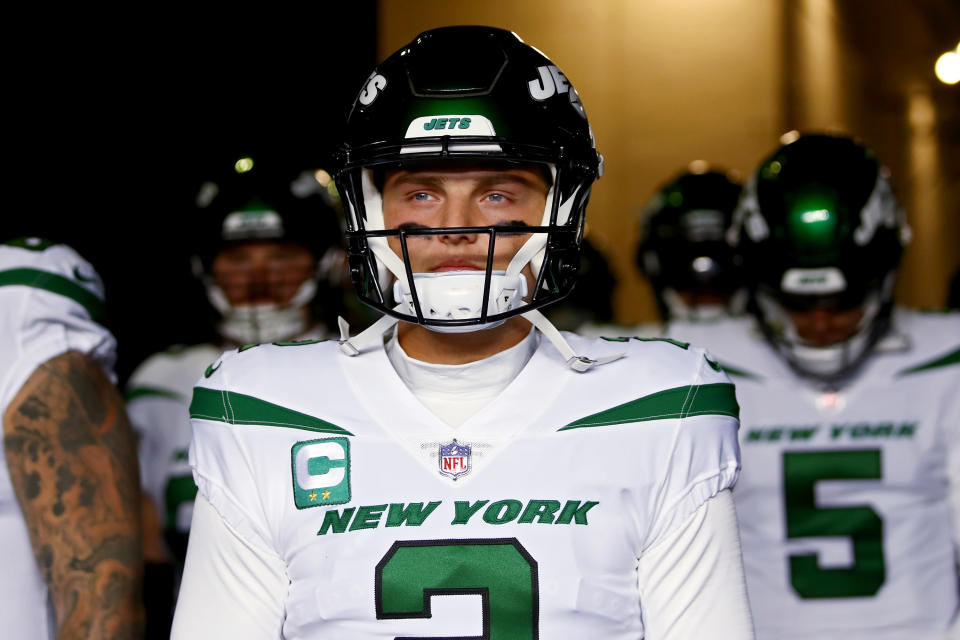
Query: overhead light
[
  {"x": 948, "y": 67},
  {"x": 243, "y": 165},
  {"x": 789, "y": 137}
]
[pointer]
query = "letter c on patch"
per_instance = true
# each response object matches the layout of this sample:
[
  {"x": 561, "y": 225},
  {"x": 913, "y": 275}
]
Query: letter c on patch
[{"x": 331, "y": 453}]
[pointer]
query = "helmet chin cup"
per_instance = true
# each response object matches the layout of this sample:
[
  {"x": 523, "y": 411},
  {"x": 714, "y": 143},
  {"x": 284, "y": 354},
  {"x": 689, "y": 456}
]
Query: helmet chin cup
[
  {"x": 825, "y": 363},
  {"x": 258, "y": 323},
  {"x": 683, "y": 312},
  {"x": 458, "y": 295}
]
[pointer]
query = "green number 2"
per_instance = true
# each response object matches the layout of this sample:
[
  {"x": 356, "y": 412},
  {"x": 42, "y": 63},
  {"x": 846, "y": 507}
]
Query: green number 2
[
  {"x": 801, "y": 472},
  {"x": 499, "y": 570}
]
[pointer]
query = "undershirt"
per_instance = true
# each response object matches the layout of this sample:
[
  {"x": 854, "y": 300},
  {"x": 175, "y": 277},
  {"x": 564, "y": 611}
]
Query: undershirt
[{"x": 455, "y": 392}]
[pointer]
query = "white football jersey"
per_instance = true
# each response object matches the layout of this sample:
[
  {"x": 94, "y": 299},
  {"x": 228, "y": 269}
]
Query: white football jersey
[
  {"x": 843, "y": 502},
  {"x": 646, "y": 330},
  {"x": 525, "y": 521},
  {"x": 50, "y": 300},
  {"x": 158, "y": 401}
]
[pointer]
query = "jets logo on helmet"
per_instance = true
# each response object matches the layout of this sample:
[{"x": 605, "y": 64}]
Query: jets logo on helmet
[{"x": 371, "y": 89}]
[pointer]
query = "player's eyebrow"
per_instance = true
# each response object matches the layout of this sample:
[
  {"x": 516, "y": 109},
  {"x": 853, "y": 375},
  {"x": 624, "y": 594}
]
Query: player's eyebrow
[{"x": 435, "y": 179}]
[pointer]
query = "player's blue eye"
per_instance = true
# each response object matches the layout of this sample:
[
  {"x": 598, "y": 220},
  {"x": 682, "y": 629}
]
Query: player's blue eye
[
  {"x": 496, "y": 197},
  {"x": 421, "y": 196}
]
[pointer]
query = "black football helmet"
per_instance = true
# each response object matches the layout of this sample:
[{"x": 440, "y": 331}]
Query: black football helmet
[
  {"x": 683, "y": 247},
  {"x": 265, "y": 205},
  {"x": 818, "y": 226},
  {"x": 472, "y": 95}
]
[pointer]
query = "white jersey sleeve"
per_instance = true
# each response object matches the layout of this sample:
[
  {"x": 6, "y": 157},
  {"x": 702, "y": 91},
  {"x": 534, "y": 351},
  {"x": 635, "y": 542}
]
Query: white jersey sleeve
[
  {"x": 705, "y": 456},
  {"x": 243, "y": 587},
  {"x": 158, "y": 402},
  {"x": 222, "y": 470},
  {"x": 693, "y": 583},
  {"x": 50, "y": 302}
]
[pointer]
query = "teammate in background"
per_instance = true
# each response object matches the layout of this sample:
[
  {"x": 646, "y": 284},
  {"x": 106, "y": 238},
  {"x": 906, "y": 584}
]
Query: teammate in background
[
  {"x": 683, "y": 252},
  {"x": 474, "y": 476},
  {"x": 259, "y": 263},
  {"x": 850, "y": 416},
  {"x": 69, "y": 491}
]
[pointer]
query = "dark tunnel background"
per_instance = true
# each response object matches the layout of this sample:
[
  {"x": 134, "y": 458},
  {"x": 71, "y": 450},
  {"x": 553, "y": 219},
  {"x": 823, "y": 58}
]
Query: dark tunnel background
[{"x": 114, "y": 128}]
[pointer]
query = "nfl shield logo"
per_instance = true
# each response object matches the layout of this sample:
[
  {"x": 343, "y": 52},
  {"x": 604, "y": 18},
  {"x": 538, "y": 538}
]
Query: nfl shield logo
[{"x": 454, "y": 459}]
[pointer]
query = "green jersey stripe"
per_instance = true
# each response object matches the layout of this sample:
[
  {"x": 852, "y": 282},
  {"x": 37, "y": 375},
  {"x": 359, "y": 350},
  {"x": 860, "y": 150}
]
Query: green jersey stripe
[
  {"x": 55, "y": 284},
  {"x": 30, "y": 244},
  {"x": 237, "y": 408},
  {"x": 740, "y": 373},
  {"x": 139, "y": 392},
  {"x": 681, "y": 402},
  {"x": 943, "y": 361}
]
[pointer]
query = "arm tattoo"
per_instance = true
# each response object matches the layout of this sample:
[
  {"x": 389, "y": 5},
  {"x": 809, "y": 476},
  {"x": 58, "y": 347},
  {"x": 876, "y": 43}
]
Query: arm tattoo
[{"x": 72, "y": 460}]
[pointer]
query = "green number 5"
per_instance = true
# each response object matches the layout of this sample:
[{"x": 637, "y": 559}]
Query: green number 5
[
  {"x": 499, "y": 570},
  {"x": 801, "y": 472}
]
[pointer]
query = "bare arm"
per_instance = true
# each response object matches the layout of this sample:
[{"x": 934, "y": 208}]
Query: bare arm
[{"x": 72, "y": 460}]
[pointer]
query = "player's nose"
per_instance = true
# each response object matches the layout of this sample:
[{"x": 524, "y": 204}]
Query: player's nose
[{"x": 457, "y": 213}]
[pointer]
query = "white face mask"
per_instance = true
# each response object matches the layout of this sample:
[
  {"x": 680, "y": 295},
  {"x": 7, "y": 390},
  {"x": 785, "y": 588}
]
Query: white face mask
[
  {"x": 680, "y": 311},
  {"x": 259, "y": 323},
  {"x": 825, "y": 362},
  {"x": 459, "y": 292},
  {"x": 456, "y": 295}
]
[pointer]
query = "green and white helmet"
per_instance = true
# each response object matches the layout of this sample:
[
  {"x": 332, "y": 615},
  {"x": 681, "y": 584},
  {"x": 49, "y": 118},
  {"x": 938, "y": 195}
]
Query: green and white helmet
[{"x": 818, "y": 226}]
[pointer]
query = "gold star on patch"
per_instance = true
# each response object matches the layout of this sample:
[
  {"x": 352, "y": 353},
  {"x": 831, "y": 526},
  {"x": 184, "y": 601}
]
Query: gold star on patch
[
  {"x": 313, "y": 496},
  {"x": 326, "y": 495}
]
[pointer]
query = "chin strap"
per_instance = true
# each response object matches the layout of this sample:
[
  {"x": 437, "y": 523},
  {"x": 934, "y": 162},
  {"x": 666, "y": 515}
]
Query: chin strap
[
  {"x": 372, "y": 336},
  {"x": 580, "y": 364}
]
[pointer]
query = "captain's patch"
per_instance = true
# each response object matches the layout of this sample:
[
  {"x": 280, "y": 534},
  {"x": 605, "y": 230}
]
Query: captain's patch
[{"x": 321, "y": 472}]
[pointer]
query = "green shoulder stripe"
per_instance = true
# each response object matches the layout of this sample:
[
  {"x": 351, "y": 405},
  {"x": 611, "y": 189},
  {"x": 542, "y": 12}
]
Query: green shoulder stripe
[
  {"x": 237, "y": 408},
  {"x": 55, "y": 284},
  {"x": 30, "y": 244},
  {"x": 738, "y": 373},
  {"x": 154, "y": 392},
  {"x": 943, "y": 361},
  {"x": 696, "y": 400}
]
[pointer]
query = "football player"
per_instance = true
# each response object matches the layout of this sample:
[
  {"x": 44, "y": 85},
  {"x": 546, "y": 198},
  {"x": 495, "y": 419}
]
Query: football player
[
  {"x": 850, "y": 419},
  {"x": 480, "y": 474},
  {"x": 258, "y": 263},
  {"x": 682, "y": 250},
  {"x": 69, "y": 491},
  {"x": 684, "y": 254}
]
